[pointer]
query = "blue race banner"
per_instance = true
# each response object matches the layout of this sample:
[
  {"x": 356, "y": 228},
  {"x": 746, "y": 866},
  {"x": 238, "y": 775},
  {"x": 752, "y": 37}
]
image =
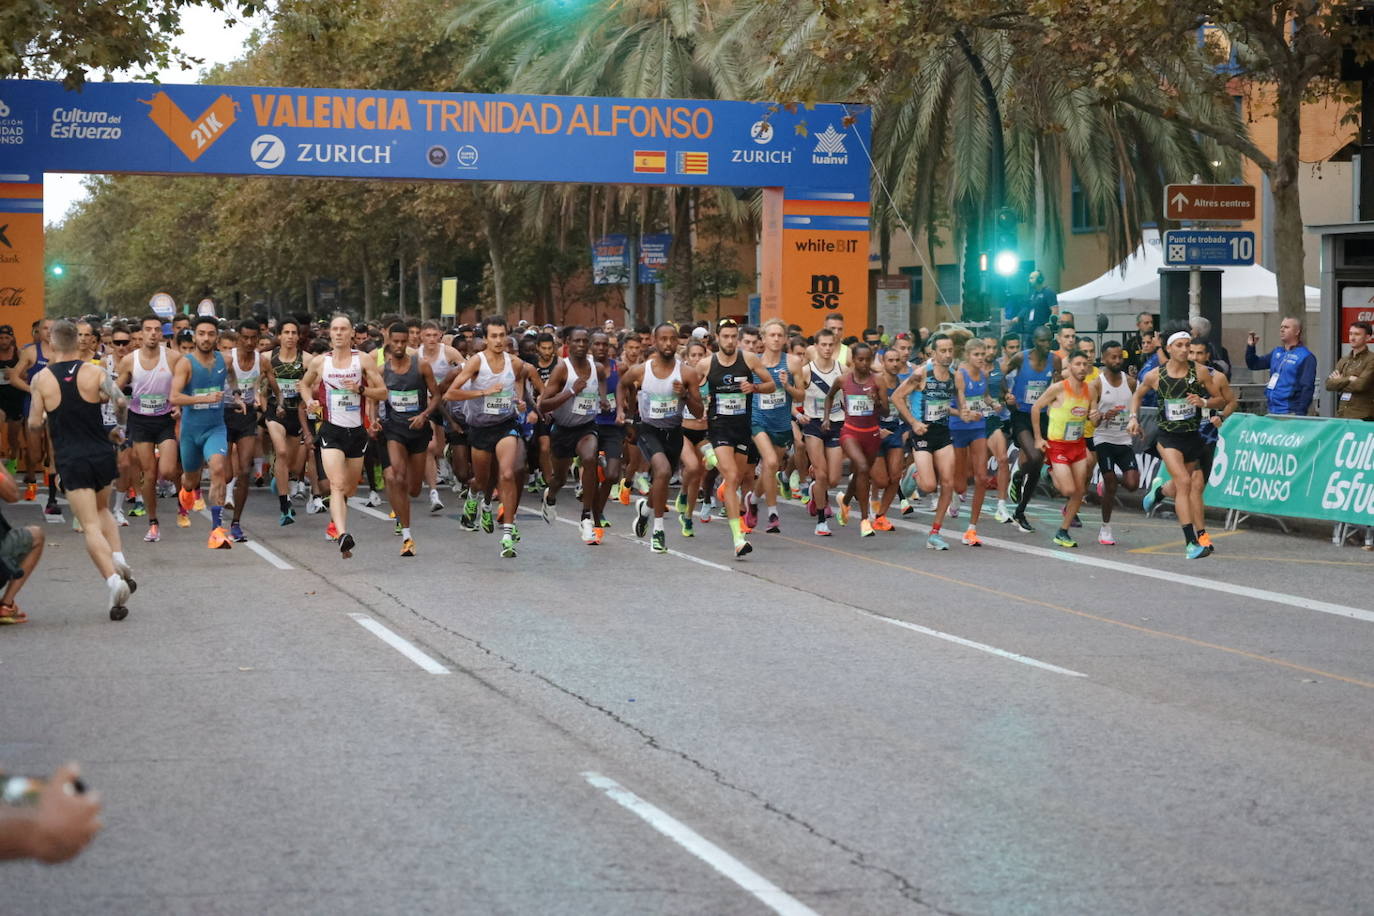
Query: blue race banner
[
  {"x": 610, "y": 260},
  {"x": 653, "y": 256},
  {"x": 241, "y": 130}
]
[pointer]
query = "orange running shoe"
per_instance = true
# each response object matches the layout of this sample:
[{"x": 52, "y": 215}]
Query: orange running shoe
[
  {"x": 624, "y": 493},
  {"x": 1204, "y": 539},
  {"x": 219, "y": 540},
  {"x": 200, "y": 501},
  {"x": 331, "y": 532},
  {"x": 971, "y": 538},
  {"x": 880, "y": 523},
  {"x": 599, "y": 533},
  {"x": 31, "y": 492},
  {"x": 186, "y": 499}
]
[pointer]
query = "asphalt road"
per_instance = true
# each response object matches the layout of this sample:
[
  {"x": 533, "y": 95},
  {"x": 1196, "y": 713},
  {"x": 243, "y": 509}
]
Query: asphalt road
[{"x": 833, "y": 725}]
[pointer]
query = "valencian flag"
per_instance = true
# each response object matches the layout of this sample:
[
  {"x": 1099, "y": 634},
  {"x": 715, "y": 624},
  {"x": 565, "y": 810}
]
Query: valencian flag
[
  {"x": 653, "y": 161},
  {"x": 693, "y": 163}
]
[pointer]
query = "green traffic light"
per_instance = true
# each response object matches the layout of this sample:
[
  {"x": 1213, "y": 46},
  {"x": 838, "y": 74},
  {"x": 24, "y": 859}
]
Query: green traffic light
[
  {"x": 1007, "y": 263},
  {"x": 57, "y": 270}
]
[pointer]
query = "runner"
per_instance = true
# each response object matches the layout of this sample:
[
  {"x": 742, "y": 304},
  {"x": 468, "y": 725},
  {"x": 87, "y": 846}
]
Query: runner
[
  {"x": 1069, "y": 402},
  {"x": 120, "y": 341},
  {"x": 1036, "y": 369},
  {"x": 336, "y": 383},
  {"x": 252, "y": 373},
  {"x": 999, "y": 424},
  {"x": 968, "y": 426},
  {"x": 66, "y": 397},
  {"x": 694, "y": 439},
  {"x": 865, "y": 400},
  {"x": 284, "y": 423},
  {"x": 32, "y": 360},
  {"x": 610, "y": 435},
  {"x": 443, "y": 360},
  {"x": 412, "y": 398},
  {"x": 541, "y": 447},
  {"x": 490, "y": 380},
  {"x": 771, "y": 422},
  {"x": 11, "y": 397},
  {"x": 887, "y": 470},
  {"x": 573, "y": 396},
  {"x": 1200, "y": 352},
  {"x": 933, "y": 445},
  {"x": 199, "y": 384},
  {"x": 1111, "y": 439},
  {"x": 1184, "y": 388},
  {"x": 147, "y": 374},
  {"x": 822, "y": 440},
  {"x": 658, "y": 389}
]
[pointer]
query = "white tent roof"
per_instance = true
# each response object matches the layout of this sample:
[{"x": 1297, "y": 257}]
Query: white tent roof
[{"x": 1133, "y": 286}]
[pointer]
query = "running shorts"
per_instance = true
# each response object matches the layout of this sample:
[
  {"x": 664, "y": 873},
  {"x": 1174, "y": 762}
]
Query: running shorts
[
  {"x": 867, "y": 439},
  {"x": 15, "y": 547},
  {"x": 1115, "y": 458},
  {"x": 963, "y": 438},
  {"x": 781, "y": 438},
  {"x": 240, "y": 425},
  {"x": 610, "y": 440},
  {"x": 1190, "y": 445},
  {"x": 154, "y": 428},
  {"x": 351, "y": 440},
  {"x": 734, "y": 436},
  {"x": 1058, "y": 452},
  {"x": 694, "y": 436},
  {"x": 289, "y": 418},
  {"x": 563, "y": 439},
  {"x": 484, "y": 438},
  {"x": 654, "y": 440},
  {"x": 935, "y": 438},
  {"x": 829, "y": 438},
  {"x": 198, "y": 446},
  {"x": 414, "y": 440},
  {"x": 1021, "y": 421},
  {"x": 90, "y": 472},
  {"x": 12, "y": 403},
  {"x": 892, "y": 439}
]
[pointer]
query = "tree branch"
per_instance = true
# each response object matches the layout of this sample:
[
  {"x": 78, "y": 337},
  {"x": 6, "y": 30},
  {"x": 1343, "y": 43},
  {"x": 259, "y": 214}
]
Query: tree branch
[{"x": 1226, "y": 138}]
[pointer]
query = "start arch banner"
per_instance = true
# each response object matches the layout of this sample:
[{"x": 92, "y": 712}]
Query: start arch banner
[{"x": 255, "y": 130}]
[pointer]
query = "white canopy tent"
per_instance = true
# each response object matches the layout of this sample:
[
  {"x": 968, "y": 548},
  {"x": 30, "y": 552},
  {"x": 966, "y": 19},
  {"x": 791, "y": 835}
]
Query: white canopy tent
[{"x": 1133, "y": 286}]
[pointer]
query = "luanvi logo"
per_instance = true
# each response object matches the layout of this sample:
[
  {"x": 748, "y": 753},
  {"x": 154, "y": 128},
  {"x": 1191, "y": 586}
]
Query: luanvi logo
[
  {"x": 192, "y": 137},
  {"x": 825, "y": 291},
  {"x": 4, "y": 239}
]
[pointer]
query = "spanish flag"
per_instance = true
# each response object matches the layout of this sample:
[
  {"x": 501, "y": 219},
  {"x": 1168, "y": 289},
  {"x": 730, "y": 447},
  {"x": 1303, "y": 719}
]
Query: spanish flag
[{"x": 652, "y": 161}]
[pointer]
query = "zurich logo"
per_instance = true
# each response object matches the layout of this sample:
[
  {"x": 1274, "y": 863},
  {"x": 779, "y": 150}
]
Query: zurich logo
[
  {"x": 268, "y": 152},
  {"x": 761, "y": 133},
  {"x": 4, "y": 109}
]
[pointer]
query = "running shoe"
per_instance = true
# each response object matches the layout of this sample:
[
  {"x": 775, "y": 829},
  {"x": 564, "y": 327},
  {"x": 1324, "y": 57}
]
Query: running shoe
[
  {"x": 742, "y": 549},
  {"x": 1104, "y": 535},
  {"x": 659, "y": 542},
  {"x": 218, "y": 540},
  {"x": 200, "y": 502},
  {"x": 589, "y": 532},
  {"x": 615, "y": 492},
  {"x": 125, "y": 572},
  {"x": 844, "y": 511},
  {"x": 751, "y": 511},
  {"x": 1196, "y": 551},
  {"x": 346, "y": 545},
  {"x": 183, "y": 520},
  {"x": 784, "y": 487},
  {"x": 31, "y": 492},
  {"x": 1002, "y": 516},
  {"x": 119, "y": 596},
  {"x": 396, "y": 528},
  {"x": 153, "y": 535},
  {"x": 624, "y": 496},
  {"x": 1021, "y": 524},
  {"x": 469, "y": 518},
  {"x": 374, "y": 499},
  {"x": 599, "y": 532},
  {"x": 228, "y": 497},
  {"x": 288, "y": 517},
  {"x": 1075, "y": 522},
  {"x": 935, "y": 542},
  {"x": 1062, "y": 539},
  {"x": 795, "y": 482},
  {"x": 186, "y": 500},
  {"x": 907, "y": 507},
  {"x": 680, "y": 504},
  {"x": 1152, "y": 495},
  {"x": 822, "y": 529},
  {"x": 515, "y": 533},
  {"x": 865, "y": 528},
  {"x": 138, "y": 510},
  {"x": 331, "y": 532},
  {"x": 120, "y": 519},
  {"x": 881, "y": 523},
  {"x": 956, "y": 500},
  {"x": 720, "y": 511},
  {"x": 1204, "y": 539},
  {"x": 236, "y": 533},
  {"x": 642, "y": 484},
  {"x": 603, "y": 523},
  {"x": 773, "y": 523},
  {"x": 487, "y": 521},
  {"x": 907, "y": 485},
  {"x": 641, "y": 524},
  {"x": 971, "y": 539},
  {"x": 165, "y": 488},
  {"x": 315, "y": 506},
  {"x": 577, "y": 488},
  {"x": 408, "y": 547},
  {"x": 436, "y": 504},
  {"x": 686, "y": 522},
  {"x": 704, "y": 513},
  {"x": 547, "y": 510},
  {"x": 508, "y": 546}
]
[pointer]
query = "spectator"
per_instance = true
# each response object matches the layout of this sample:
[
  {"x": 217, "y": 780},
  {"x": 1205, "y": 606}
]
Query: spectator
[
  {"x": 1040, "y": 306},
  {"x": 1134, "y": 344},
  {"x": 20, "y": 551},
  {"x": 1220, "y": 358},
  {"x": 1353, "y": 377},
  {"x": 1292, "y": 370},
  {"x": 57, "y": 827}
]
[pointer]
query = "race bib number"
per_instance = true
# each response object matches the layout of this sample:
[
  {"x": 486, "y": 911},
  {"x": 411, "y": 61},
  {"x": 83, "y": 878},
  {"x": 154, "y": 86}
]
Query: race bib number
[
  {"x": 773, "y": 400},
  {"x": 290, "y": 388},
  {"x": 203, "y": 392},
  {"x": 985, "y": 407},
  {"x": 860, "y": 405},
  {"x": 107, "y": 414},
  {"x": 1073, "y": 430},
  {"x": 404, "y": 401},
  {"x": 816, "y": 405},
  {"x": 936, "y": 410},
  {"x": 152, "y": 403},
  {"x": 663, "y": 406},
  {"x": 503, "y": 402},
  {"x": 1178, "y": 409},
  {"x": 1035, "y": 388},
  {"x": 610, "y": 402},
  {"x": 1273, "y": 381},
  {"x": 342, "y": 401},
  {"x": 1117, "y": 422},
  {"x": 1345, "y": 395},
  {"x": 731, "y": 404},
  {"x": 584, "y": 403}
]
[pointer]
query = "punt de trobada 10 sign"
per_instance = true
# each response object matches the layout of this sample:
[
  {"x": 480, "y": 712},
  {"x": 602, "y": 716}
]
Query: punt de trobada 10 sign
[{"x": 245, "y": 130}]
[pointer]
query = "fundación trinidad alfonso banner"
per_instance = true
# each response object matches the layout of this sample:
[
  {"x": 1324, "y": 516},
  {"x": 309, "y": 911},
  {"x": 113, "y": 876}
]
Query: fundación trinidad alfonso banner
[{"x": 1302, "y": 468}]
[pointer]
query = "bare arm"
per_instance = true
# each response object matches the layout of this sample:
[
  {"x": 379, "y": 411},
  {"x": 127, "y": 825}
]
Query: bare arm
[
  {"x": 691, "y": 385},
  {"x": 765, "y": 385}
]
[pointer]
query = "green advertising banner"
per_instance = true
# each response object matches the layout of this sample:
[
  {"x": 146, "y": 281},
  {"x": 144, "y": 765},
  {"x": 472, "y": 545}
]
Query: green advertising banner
[{"x": 1299, "y": 467}]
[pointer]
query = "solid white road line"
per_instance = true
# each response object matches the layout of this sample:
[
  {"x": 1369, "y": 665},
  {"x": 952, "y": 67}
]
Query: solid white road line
[
  {"x": 362, "y": 506},
  {"x": 403, "y": 646},
  {"x": 767, "y": 893},
  {"x": 257, "y": 548},
  {"x": 981, "y": 647},
  {"x": 634, "y": 540},
  {"x": 1163, "y": 575}
]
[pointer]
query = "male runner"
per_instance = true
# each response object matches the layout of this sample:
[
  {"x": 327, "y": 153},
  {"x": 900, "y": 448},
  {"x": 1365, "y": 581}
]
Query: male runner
[
  {"x": 887, "y": 470},
  {"x": 1069, "y": 402},
  {"x": 933, "y": 445},
  {"x": 1036, "y": 369},
  {"x": 659, "y": 388},
  {"x": 811, "y": 386},
  {"x": 32, "y": 359},
  {"x": 546, "y": 350},
  {"x": 1112, "y": 442},
  {"x": 11, "y": 397},
  {"x": 147, "y": 374},
  {"x": 1184, "y": 389},
  {"x": 199, "y": 383},
  {"x": 66, "y": 396},
  {"x": 771, "y": 422},
  {"x": 610, "y": 435},
  {"x": 252, "y": 373},
  {"x": 411, "y": 400},
  {"x": 732, "y": 376},
  {"x": 490, "y": 380},
  {"x": 573, "y": 396},
  {"x": 443, "y": 360}
]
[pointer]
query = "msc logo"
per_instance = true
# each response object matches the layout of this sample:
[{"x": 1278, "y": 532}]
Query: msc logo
[
  {"x": 268, "y": 152},
  {"x": 825, "y": 291},
  {"x": 829, "y": 148}
]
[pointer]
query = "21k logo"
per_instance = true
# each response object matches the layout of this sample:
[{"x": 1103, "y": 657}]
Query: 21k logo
[{"x": 192, "y": 137}]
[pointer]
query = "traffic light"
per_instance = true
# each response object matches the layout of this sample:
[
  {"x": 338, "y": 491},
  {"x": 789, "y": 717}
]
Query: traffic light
[
  {"x": 1007, "y": 263},
  {"x": 58, "y": 270}
]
